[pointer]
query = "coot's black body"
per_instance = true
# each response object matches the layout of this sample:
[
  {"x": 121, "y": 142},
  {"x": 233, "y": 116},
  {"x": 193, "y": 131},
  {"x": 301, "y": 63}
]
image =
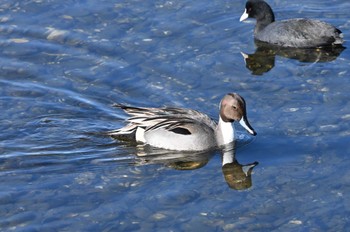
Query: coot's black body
[{"x": 301, "y": 33}]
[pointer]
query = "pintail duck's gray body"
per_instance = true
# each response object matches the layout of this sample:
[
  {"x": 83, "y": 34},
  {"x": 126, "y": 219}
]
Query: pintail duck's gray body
[{"x": 184, "y": 129}]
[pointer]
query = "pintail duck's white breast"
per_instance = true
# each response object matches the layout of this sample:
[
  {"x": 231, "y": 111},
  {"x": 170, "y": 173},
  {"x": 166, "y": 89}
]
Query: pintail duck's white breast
[{"x": 184, "y": 129}]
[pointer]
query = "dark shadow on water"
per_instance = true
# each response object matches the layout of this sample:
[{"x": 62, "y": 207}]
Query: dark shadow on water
[
  {"x": 237, "y": 176},
  {"x": 263, "y": 60}
]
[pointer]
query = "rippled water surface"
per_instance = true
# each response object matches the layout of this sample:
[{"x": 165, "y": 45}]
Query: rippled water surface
[{"x": 64, "y": 63}]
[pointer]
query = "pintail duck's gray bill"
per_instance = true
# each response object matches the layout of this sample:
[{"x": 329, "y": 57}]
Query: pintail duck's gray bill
[{"x": 244, "y": 122}]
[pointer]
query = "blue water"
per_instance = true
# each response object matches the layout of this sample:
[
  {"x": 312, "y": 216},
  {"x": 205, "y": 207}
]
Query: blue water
[{"x": 63, "y": 65}]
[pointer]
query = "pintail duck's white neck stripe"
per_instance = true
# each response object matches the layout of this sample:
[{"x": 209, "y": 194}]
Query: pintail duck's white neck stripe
[{"x": 225, "y": 132}]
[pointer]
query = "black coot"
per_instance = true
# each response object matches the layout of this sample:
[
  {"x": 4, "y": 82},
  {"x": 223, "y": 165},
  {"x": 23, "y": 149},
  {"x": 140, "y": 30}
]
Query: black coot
[{"x": 301, "y": 33}]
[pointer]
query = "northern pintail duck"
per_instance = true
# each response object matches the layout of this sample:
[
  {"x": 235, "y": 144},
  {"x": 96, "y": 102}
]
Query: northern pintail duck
[{"x": 184, "y": 129}]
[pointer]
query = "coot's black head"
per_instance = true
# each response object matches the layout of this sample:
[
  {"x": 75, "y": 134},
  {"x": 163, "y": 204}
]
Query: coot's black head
[{"x": 259, "y": 10}]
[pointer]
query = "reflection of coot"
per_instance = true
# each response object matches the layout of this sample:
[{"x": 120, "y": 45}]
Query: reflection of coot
[
  {"x": 301, "y": 33},
  {"x": 263, "y": 60}
]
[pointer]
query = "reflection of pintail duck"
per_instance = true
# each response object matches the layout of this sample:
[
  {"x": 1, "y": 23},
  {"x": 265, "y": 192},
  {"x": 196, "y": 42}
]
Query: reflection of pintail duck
[
  {"x": 179, "y": 160},
  {"x": 299, "y": 32},
  {"x": 263, "y": 59},
  {"x": 184, "y": 129},
  {"x": 237, "y": 176}
]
